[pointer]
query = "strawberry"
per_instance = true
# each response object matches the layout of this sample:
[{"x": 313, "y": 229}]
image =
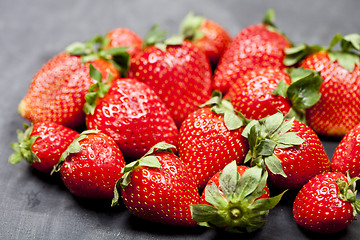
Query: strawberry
[
  {"x": 158, "y": 187},
  {"x": 123, "y": 37},
  {"x": 42, "y": 144},
  {"x": 346, "y": 156},
  {"x": 131, "y": 113},
  {"x": 91, "y": 165},
  {"x": 337, "y": 110},
  {"x": 264, "y": 91},
  {"x": 207, "y": 35},
  {"x": 327, "y": 204},
  {"x": 260, "y": 45},
  {"x": 179, "y": 72},
  {"x": 289, "y": 150},
  {"x": 210, "y": 138},
  {"x": 235, "y": 199},
  {"x": 58, "y": 89}
]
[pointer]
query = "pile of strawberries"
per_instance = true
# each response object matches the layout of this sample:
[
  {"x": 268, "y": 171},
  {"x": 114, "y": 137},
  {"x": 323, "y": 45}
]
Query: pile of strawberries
[{"x": 190, "y": 130}]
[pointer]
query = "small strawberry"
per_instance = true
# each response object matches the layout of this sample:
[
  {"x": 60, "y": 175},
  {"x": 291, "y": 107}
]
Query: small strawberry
[
  {"x": 337, "y": 110},
  {"x": 260, "y": 45},
  {"x": 289, "y": 150},
  {"x": 210, "y": 138},
  {"x": 91, "y": 165},
  {"x": 346, "y": 156},
  {"x": 158, "y": 188},
  {"x": 123, "y": 37},
  {"x": 235, "y": 199},
  {"x": 179, "y": 72},
  {"x": 131, "y": 113},
  {"x": 42, "y": 144},
  {"x": 207, "y": 35},
  {"x": 264, "y": 91},
  {"x": 327, "y": 203}
]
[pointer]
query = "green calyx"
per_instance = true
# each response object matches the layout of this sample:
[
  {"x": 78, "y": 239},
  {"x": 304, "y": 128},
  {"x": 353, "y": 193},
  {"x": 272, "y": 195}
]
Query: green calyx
[
  {"x": 190, "y": 27},
  {"x": 347, "y": 56},
  {"x": 264, "y": 136},
  {"x": 22, "y": 148},
  {"x": 97, "y": 90},
  {"x": 233, "y": 119},
  {"x": 348, "y": 192},
  {"x": 157, "y": 37},
  {"x": 236, "y": 207},
  {"x": 148, "y": 160},
  {"x": 303, "y": 91},
  {"x": 95, "y": 48},
  {"x": 74, "y": 147}
]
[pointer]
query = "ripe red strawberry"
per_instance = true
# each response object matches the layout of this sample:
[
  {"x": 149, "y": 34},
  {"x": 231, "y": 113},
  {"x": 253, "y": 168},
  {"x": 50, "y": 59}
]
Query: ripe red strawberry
[
  {"x": 124, "y": 37},
  {"x": 210, "y": 138},
  {"x": 91, "y": 165},
  {"x": 337, "y": 110},
  {"x": 326, "y": 204},
  {"x": 178, "y": 72},
  {"x": 158, "y": 188},
  {"x": 42, "y": 144},
  {"x": 131, "y": 113},
  {"x": 235, "y": 199},
  {"x": 290, "y": 150},
  {"x": 346, "y": 156},
  {"x": 259, "y": 45},
  {"x": 264, "y": 91},
  {"x": 207, "y": 35}
]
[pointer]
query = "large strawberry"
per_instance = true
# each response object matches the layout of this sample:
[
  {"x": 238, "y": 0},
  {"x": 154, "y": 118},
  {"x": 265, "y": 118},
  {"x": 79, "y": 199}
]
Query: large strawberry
[
  {"x": 91, "y": 165},
  {"x": 210, "y": 138},
  {"x": 260, "y": 45},
  {"x": 207, "y": 35},
  {"x": 123, "y": 37},
  {"x": 178, "y": 72},
  {"x": 338, "y": 110},
  {"x": 289, "y": 150},
  {"x": 57, "y": 92},
  {"x": 327, "y": 203},
  {"x": 235, "y": 199},
  {"x": 264, "y": 91},
  {"x": 42, "y": 144},
  {"x": 346, "y": 157},
  {"x": 131, "y": 113},
  {"x": 158, "y": 187}
]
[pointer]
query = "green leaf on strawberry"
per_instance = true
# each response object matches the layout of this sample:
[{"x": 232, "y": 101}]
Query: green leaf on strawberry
[
  {"x": 190, "y": 27},
  {"x": 157, "y": 37}
]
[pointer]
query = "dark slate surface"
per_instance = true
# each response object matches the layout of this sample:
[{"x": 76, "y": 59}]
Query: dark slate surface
[{"x": 36, "y": 206}]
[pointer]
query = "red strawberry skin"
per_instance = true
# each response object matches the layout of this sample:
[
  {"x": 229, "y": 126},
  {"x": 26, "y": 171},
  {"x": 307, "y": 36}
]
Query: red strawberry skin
[
  {"x": 346, "y": 156},
  {"x": 93, "y": 172},
  {"x": 134, "y": 116},
  {"x": 338, "y": 110},
  {"x": 124, "y": 37},
  {"x": 215, "y": 179},
  {"x": 300, "y": 163},
  {"x": 57, "y": 92},
  {"x": 252, "y": 94},
  {"x": 206, "y": 146},
  {"x": 318, "y": 208},
  {"x": 162, "y": 195},
  {"x": 180, "y": 76},
  {"x": 253, "y": 47}
]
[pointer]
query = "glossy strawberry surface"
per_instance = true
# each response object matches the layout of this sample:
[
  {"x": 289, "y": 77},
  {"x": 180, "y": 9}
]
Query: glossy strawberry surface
[
  {"x": 252, "y": 93},
  {"x": 134, "y": 116},
  {"x": 162, "y": 195},
  {"x": 57, "y": 92},
  {"x": 93, "y": 172},
  {"x": 253, "y": 47},
  {"x": 124, "y": 37},
  {"x": 338, "y": 110},
  {"x": 180, "y": 76},
  {"x": 206, "y": 145}
]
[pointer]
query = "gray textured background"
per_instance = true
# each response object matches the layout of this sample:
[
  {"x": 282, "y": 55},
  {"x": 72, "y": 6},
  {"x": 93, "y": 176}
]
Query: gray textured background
[{"x": 35, "y": 206}]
